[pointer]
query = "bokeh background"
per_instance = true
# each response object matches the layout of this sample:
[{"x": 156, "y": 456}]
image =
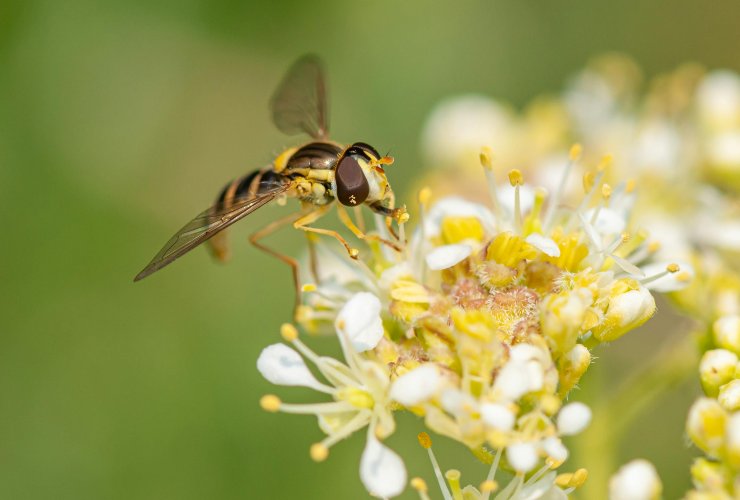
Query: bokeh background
[{"x": 120, "y": 120}]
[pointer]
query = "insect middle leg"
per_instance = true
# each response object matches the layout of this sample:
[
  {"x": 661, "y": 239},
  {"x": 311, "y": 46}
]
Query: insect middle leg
[
  {"x": 311, "y": 217},
  {"x": 255, "y": 238}
]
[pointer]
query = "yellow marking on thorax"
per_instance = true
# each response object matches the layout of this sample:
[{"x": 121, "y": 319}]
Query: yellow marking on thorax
[
  {"x": 282, "y": 160},
  {"x": 314, "y": 174}
]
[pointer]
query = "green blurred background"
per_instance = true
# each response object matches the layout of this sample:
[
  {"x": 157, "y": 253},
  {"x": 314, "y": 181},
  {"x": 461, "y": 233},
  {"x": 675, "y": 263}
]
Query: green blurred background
[{"x": 121, "y": 120}]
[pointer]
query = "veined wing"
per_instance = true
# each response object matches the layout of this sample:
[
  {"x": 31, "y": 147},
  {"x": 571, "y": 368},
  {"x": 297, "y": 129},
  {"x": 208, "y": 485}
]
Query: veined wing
[
  {"x": 299, "y": 103},
  {"x": 204, "y": 226}
]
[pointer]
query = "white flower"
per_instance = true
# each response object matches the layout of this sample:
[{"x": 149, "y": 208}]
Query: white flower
[
  {"x": 522, "y": 456},
  {"x": 381, "y": 470},
  {"x": 636, "y": 480},
  {"x": 573, "y": 418},
  {"x": 360, "y": 321},
  {"x": 446, "y": 256},
  {"x": 416, "y": 386},
  {"x": 281, "y": 365}
]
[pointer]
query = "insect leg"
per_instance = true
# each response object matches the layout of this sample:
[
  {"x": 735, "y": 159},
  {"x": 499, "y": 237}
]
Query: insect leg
[
  {"x": 311, "y": 217},
  {"x": 347, "y": 221},
  {"x": 312, "y": 258},
  {"x": 268, "y": 230}
]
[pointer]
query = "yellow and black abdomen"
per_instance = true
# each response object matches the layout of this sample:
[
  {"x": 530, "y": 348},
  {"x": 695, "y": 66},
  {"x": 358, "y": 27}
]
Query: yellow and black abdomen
[{"x": 246, "y": 187}]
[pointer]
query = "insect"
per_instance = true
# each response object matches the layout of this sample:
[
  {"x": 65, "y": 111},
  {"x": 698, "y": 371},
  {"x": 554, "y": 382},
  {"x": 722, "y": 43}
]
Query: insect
[{"x": 315, "y": 173}]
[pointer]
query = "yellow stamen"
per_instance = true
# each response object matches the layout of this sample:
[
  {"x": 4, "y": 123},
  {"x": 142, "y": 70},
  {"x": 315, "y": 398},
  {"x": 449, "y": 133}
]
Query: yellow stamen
[
  {"x": 563, "y": 480},
  {"x": 630, "y": 186},
  {"x": 579, "y": 477},
  {"x": 516, "y": 178},
  {"x": 270, "y": 402},
  {"x": 424, "y": 440},
  {"x": 672, "y": 268},
  {"x": 425, "y": 194},
  {"x": 683, "y": 277},
  {"x": 419, "y": 484},
  {"x": 653, "y": 246},
  {"x": 606, "y": 191},
  {"x": 288, "y": 332},
  {"x": 319, "y": 452},
  {"x": 488, "y": 486},
  {"x": 308, "y": 287},
  {"x": 588, "y": 181},
  {"x": 605, "y": 162},
  {"x": 575, "y": 152},
  {"x": 486, "y": 158}
]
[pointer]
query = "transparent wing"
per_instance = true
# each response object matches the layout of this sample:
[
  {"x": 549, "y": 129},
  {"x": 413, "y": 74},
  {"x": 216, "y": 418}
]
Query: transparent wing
[
  {"x": 299, "y": 103},
  {"x": 204, "y": 226}
]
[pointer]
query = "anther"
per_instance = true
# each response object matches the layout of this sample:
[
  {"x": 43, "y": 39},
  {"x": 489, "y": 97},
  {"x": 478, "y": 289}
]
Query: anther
[
  {"x": 319, "y": 452},
  {"x": 308, "y": 287},
  {"x": 270, "y": 402},
  {"x": 424, "y": 440},
  {"x": 425, "y": 194},
  {"x": 486, "y": 158},
  {"x": 605, "y": 162},
  {"x": 516, "y": 178},
  {"x": 488, "y": 486},
  {"x": 579, "y": 477},
  {"x": 630, "y": 185},
  {"x": 575, "y": 152},
  {"x": 673, "y": 268},
  {"x": 419, "y": 484},
  {"x": 288, "y": 332},
  {"x": 606, "y": 191},
  {"x": 588, "y": 181}
]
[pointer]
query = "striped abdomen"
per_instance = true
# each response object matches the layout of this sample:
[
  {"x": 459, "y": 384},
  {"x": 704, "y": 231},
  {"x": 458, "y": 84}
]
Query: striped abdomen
[{"x": 243, "y": 188}]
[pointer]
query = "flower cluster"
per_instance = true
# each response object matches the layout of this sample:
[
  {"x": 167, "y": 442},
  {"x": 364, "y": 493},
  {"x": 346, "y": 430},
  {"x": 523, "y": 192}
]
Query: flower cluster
[
  {"x": 680, "y": 141},
  {"x": 482, "y": 325}
]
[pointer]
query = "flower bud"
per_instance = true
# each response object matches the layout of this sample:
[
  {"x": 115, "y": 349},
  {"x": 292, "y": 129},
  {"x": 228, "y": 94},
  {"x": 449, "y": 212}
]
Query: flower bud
[
  {"x": 729, "y": 395},
  {"x": 717, "y": 367},
  {"x": 561, "y": 317},
  {"x": 732, "y": 440},
  {"x": 726, "y": 332},
  {"x": 626, "y": 311},
  {"x": 706, "y": 425},
  {"x": 572, "y": 366}
]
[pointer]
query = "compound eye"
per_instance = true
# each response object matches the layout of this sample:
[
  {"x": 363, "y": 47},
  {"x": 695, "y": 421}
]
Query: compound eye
[{"x": 352, "y": 186}]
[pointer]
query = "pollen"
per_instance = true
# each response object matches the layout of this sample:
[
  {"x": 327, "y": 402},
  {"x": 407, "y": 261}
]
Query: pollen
[
  {"x": 672, "y": 268},
  {"x": 319, "y": 452},
  {"x": 288, "y": 332},
  {"x": 424, "y": 440},
  {"x": 270, "y": 402}
]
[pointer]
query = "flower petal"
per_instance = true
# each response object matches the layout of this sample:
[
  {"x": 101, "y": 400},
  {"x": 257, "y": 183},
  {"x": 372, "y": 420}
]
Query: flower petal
[
  {"x": 498, "y": 416},
  {"x": 544, "y": 244},
  {"x": 360, "y": 320},
  {"x": 416, "y": 386},
  {"x": 446, "y": 256},
  {"x": 381, "y": 470},
  {"x": 573, "y": 418},
  {"x": 281, "y": 365}
]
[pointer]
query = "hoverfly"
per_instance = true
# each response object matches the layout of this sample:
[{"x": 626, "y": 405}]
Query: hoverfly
[{"x": 315, "y": 173}]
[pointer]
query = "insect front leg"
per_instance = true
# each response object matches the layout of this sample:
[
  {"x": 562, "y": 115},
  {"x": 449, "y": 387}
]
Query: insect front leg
[
  {"x": 347, "y": 221},
  {"x": 311, "y": 217}
]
